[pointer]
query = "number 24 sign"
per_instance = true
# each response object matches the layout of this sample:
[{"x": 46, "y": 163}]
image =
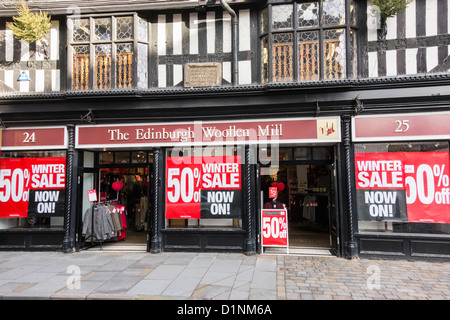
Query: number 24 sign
[{"x": 274, "y": 228}]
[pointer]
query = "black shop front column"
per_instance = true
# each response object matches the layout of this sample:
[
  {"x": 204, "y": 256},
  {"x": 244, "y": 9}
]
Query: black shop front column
[{"x": 250, "y": 187}]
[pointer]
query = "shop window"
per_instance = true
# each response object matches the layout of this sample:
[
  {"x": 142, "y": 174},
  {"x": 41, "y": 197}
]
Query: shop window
[
  {"x": 307, "y": 41},
  {"x": 32, "y": 189},
  {"x": 204, "y": 187},
  {"x": 139, "y": 157},
  {"x": 403, "y": 187},
  {"x": 122, "y": 157},
  {"x": 106, "y": 157},
  {"x": 321, "y": 153},
  {"x": 108, "y": 52},
  {"x": 302, "y": 153}
]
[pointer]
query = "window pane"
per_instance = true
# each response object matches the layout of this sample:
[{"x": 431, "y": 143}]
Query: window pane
[
  {"x": 354, "y": 54},
  {"x": 282, "y": 57},
  {"x": 308, "y": 52},
  {"x": 122, "y": 157},
  {"x": 124, "y": 28},
  {"x": 102, "y": 66},
  {"x": 353, "y": 13},
  {"x": 409, "y": 214},
  {"x": 102, "y": 29},
  {"x": 265, "y": 20},
  {"x": 142, "y": 66},
  {"x": 80, "y": 76},
  {"x": 285, "y": 154},
  {"x": 265, "y": 60},
  {"x": 124, "y": 65},
  {"x": 308, "y": 14},
  {"x": 81, "y": 30},
  {"x": 334, "y": 54},
  {"x": 302, "y": 154},
  {"x": 106, "y": 157},
  {"x": 321, "y": 153},
  {"x": 143, "y": 30},
  {"x": 333, "y": 12},
  {"x": 282, "y": 16},
  {"x": 139, "y": 157}
]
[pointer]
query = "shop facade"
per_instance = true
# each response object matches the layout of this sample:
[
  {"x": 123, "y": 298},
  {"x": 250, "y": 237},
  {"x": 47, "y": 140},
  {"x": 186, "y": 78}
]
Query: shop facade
[
  {"x": 402, "y": 180},
  {"x": 184, "y": 115},
  {"x": 204, "y": 176},
  {"x": 34, "y": 188}
]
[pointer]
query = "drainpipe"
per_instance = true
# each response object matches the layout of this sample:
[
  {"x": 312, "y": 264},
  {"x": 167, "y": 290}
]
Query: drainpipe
[{"x": 234, "y": 39}]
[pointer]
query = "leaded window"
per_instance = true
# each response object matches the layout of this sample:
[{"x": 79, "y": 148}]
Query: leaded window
[
  {"x": 308, "y": 40},
  {"x": 108, "y": 52}
]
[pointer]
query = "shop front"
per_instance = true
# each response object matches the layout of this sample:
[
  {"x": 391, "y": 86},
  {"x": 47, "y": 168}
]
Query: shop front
[
  {"x": 402, "y": 185},
  {"x": 33, "y": 188},
  {"x": 203, "y": 184}
]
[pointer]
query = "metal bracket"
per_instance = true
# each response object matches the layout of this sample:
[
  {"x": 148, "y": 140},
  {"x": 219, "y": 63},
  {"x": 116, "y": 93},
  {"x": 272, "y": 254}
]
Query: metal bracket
[
  {"x": 89, "y": 117},
  {"x": 359, "y": 107}
]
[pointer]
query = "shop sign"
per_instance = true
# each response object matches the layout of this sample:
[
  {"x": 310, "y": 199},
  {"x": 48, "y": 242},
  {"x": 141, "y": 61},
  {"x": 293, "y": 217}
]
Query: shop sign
[
  {"x": 34, "y": 138},
  {"x": 273, "y": 192},
  {"x": 32, "y": 186},
  {"x": 403, "y": 186},
  {"x": 274, "y": 226},
  {"x": 321, "y": 130},
  {"x": 203, "y": 187},
  {"x": 92, "y": 195},
  {"x": 397, "y": 127}
]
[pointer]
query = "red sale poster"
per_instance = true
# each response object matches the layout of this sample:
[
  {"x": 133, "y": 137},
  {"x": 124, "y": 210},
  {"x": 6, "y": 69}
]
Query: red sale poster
[
  {"x": 19, "y": 178},
  {"x": 403, "y": 186},
  {"x": 274, "y": 228},
  {"x": 203, "y": 187}
]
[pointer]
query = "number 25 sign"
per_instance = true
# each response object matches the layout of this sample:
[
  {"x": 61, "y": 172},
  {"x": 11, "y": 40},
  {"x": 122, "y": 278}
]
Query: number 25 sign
[{"x": 274, "y": 228}]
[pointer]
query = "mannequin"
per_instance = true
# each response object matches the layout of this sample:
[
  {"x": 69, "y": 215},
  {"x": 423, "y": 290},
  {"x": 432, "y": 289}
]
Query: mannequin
[{"x": 275, "y": 204}]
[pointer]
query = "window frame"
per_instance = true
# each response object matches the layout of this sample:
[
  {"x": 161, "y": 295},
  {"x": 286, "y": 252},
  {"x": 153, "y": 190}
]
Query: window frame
[
  {"x": 350, "y": 28},
  {"x": 114, "y": 42}
]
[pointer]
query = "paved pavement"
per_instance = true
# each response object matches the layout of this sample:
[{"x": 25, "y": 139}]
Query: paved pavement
[{"x": 201, "y": 276}]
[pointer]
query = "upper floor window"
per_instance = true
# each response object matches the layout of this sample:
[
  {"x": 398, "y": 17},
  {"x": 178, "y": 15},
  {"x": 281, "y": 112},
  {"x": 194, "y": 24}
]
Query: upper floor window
[
  {"x": 108, "y": 52},
  {"x": 308, "y": 40}
]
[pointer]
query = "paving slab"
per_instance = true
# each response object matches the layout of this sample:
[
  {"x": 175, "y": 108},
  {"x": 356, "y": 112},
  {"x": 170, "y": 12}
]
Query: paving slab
[{"x": 216, "y": 276}]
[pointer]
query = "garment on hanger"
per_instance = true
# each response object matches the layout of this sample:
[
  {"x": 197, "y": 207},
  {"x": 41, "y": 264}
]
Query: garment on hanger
[
  {"x": 274, "y": 204},
  {"x": 98, "y": 223},
  {"x": 123, "y": 219},
  {"x": 309, "y": 207},
  {"x": 141, "y": 214}
]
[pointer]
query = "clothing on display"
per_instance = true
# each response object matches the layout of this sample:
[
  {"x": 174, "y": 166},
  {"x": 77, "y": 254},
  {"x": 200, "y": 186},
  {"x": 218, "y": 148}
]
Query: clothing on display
[
  {"x": 105, "y": 222},
  {"x": 141, "y": 214},
  {"x": 309, "y": 207},
  {"x": 274, "y": 204}
]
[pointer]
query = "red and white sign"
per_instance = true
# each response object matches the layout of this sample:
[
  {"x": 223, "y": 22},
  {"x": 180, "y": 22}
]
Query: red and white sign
[
  {"x": 273, "y": 192},
  {"x": 397, "y": 127},
  {"x": 19, "y": 176},
  {"x": 385, "y": 181},
  {"x": 323, "y": 130},
  {"x": 92, "y": 195},
  {"x": 34, "y": 138},
  {"x": 199, "y": 187},
  {"x": 274, "y": 226}
]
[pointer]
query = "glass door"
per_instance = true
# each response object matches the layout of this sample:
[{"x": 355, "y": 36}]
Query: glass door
[
  {"x": 333, "y": 209},
  {"x": 88, "y": 180}
]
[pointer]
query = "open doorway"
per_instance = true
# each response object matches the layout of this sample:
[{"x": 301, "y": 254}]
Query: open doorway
[
  {"x": 309, "y": 197},
  {"x": 119, "y": 217},
  {"x": 132, "y": 201}
]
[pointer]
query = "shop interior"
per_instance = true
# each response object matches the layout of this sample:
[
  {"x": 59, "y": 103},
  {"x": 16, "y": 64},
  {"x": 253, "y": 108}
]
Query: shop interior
[{"x": 307, "y": 194}]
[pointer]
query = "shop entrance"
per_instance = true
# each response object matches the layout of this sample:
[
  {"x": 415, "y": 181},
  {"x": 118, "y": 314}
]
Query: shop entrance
[
  {"x": 121, "y": 214},
  {"x": 306, "y": 186}
]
